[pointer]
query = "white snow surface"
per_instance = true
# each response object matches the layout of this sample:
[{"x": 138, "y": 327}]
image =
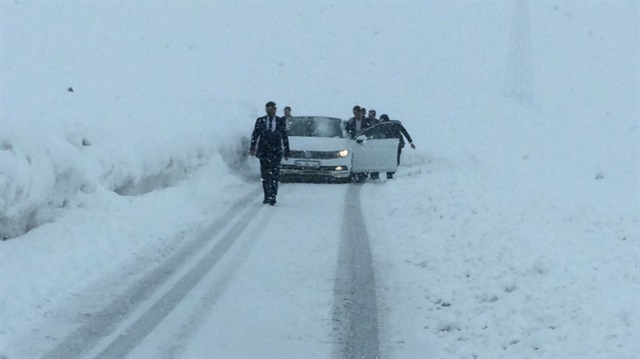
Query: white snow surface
[{"x": 511, "y": 231}]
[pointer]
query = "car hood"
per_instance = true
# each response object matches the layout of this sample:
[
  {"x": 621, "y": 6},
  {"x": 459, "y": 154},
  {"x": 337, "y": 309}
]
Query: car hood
[{"x": 317, "y": 143}]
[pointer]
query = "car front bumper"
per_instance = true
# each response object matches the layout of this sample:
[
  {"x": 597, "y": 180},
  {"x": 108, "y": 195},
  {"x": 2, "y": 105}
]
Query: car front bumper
[{"x": 319, "y": 173}]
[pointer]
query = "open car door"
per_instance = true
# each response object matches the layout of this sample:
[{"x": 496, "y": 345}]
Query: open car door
[{"x": 375, "y": 150}]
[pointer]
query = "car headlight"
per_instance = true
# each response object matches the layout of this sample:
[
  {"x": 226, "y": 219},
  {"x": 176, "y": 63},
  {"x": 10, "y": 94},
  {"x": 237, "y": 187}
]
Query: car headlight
[{"x": 343, "y": 153}]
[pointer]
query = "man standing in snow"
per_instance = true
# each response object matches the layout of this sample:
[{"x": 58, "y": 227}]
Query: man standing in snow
[
  {"x": 396, "y": 130},
  {"x": 354, "y": 126},
  {"x": 269, "y": 142},
  {"x": 372, "y": 117},
  {"x": 357, "y": 123},
  {"x": 287, "y": 112}
]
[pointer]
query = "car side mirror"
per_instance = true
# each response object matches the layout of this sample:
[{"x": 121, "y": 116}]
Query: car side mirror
[{"x": 361, "y": 138}]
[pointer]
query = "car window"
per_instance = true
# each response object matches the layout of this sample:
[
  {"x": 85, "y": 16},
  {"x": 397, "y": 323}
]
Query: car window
[{"x": 315, "y": 127}]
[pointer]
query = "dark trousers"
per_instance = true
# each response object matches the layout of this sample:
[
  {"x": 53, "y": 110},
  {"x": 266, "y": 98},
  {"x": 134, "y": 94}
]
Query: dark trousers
[{"x": 270, "y": 173}]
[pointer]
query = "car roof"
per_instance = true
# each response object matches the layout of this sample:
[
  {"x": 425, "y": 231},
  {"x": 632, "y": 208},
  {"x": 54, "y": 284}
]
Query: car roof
[{"x": 298, "y": 118}]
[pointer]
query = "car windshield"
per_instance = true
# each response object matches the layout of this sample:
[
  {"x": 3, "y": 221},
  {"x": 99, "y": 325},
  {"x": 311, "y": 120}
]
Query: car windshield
[{"x": 314, "y": 127}]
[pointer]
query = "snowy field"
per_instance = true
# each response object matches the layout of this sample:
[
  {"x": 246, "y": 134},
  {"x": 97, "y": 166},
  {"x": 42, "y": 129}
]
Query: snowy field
[{"x": 511, "y": 231}]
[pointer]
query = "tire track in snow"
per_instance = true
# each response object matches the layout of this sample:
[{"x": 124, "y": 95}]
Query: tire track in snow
[
  {"x": 355, "y": 310},
  {"x": 105, "y": 322},
  {"x": 210, "y": 298},
  {"x": 136, "y": 332}
]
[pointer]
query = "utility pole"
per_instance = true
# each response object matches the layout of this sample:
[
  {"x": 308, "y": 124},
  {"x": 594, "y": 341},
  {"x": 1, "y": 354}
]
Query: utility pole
[{"x": 518, "y": 81}]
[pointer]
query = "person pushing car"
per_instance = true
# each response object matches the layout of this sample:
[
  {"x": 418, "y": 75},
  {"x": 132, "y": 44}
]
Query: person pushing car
[{"x": 397, "y": 130}]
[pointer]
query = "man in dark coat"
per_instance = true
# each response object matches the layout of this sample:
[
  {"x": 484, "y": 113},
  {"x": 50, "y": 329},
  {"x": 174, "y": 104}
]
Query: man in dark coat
[
  {"x": 269, "y": 142},
  {"x": 372, "y": 118},
  {"x": 357, "y": 123},
  {"x": 397, "y": 130},
  {"x": 287, "y": 112}
]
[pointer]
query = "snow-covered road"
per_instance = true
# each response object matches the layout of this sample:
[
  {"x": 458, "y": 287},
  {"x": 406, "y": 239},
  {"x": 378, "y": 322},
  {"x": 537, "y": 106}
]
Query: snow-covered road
[
  {"x": 511, "y": 231},
  {"x": 254, "y": 266}
]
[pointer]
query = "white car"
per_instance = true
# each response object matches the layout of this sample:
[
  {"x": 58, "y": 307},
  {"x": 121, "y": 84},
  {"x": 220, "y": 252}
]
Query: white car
[{"x": 321, "y": 151}]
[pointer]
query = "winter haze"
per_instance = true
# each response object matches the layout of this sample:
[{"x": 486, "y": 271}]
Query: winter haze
[{"x": 511, "y": 231}]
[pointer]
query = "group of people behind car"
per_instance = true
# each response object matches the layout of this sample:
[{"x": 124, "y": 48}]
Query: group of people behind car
[
  {"x": 359, "y": 122},
  {"x": 270, "y": 142}
]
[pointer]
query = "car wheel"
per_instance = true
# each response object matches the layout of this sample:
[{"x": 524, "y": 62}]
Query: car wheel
[{"x": 358, "y": 177}]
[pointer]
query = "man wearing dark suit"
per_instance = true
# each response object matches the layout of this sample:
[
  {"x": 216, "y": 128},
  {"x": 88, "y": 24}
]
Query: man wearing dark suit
[
  {"x": 357, "y": 123},
  {"x": 269, "y": 142},
  {"x": 397, "y": 130},
  {"x": 353, "y": 127}
]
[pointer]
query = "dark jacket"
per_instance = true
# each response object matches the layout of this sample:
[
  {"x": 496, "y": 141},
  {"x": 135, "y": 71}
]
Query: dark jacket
[
  {"x": 350, "y": 127},
  {"x": 267, "y": 143},
  {"x": 397, "y": 130}
]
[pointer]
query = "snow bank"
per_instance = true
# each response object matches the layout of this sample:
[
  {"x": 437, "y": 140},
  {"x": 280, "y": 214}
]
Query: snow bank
[{"x": 45, "y": 168}]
